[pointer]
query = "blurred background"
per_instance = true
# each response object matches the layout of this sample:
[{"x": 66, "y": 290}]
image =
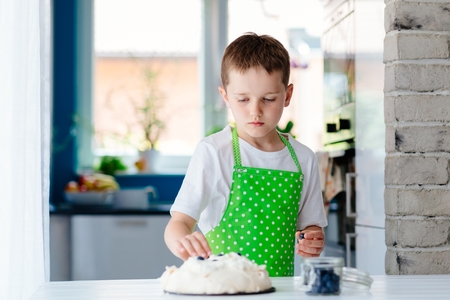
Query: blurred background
[{"x": 135, "y": 89}]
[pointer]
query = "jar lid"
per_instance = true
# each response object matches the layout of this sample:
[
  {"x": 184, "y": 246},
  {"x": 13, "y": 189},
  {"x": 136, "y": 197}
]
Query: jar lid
[
  {"x": 356, "y": 279},
  {"x": 325, "y": 261}
]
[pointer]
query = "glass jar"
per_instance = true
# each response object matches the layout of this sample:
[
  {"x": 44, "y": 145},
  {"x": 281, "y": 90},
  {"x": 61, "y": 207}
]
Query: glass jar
[
  {"x": 356, "y": 279},
  {"x": 322, "y": 275}
]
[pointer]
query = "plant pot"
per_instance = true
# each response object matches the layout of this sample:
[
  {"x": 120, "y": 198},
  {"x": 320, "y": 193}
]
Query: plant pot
[{"x": 151, "y": 158}]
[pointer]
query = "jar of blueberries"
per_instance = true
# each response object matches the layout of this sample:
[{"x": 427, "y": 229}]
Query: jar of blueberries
[{"x": 322, "y": 275}]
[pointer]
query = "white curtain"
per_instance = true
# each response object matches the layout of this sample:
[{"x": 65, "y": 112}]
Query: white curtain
[{"x": 24, "y": 146}]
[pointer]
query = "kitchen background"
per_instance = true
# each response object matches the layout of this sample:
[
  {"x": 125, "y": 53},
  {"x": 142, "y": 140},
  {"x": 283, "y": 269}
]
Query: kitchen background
[{"x": 108, "y": 54}]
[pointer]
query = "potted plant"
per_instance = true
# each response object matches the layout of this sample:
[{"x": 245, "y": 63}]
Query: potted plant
[
  {"x": 140, "y": 112},
  {"x": 109, "y": 165},
  {"x": 148, "y": 117},
  {"x": 148, "y": 113}
]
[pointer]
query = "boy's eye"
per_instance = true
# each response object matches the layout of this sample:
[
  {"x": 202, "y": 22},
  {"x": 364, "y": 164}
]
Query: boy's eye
[
  {"x": 242, "y": 100},
  {"x": 269, "y": 99}
]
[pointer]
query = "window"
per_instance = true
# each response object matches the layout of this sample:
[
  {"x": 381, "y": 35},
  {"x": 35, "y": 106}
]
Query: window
[
  {"x": 145, "y": 61},
  {"x": 298, "y": 25},
  {"x": 171, "y": 50}
]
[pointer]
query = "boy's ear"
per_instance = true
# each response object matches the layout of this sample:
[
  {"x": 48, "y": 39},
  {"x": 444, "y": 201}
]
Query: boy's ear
[
  {"x": 224, "y": 95},
  {"x": 289, "y": 91}
]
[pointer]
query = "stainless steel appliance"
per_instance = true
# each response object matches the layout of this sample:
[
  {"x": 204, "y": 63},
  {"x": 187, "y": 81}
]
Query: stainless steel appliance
[
  {"x": 354, "y": 80},
  {"x": 338, "y": 42}
]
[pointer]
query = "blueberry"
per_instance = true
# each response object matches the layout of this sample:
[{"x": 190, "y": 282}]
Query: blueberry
[
  {"x": 238, "y": 253},
  {"x": 221, "y": 254},
  {"x": 302, "y": 236},
  {"x": 200, "y": 258},
  {"x": 327, "y": 282}
]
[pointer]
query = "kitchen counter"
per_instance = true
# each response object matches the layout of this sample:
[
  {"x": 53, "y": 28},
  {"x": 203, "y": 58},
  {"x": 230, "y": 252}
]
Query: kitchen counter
[
  {"x": 69, "y": 209},
  {"x": 166, "y": 185},
  {"x": 383, "y": 287}
]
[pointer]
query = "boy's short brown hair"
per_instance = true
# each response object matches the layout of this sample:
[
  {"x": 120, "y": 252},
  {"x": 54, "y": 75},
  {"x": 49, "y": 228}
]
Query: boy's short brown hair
[{"x": 252, "y": 50}]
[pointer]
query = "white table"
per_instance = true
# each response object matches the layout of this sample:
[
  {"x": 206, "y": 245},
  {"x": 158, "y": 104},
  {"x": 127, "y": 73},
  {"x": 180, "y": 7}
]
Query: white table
[{"x": 383, "y": 287}]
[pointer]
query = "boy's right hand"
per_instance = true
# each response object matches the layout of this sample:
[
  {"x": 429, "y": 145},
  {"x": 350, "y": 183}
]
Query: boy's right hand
[
  {"x": 194, "y": 244},
  {"x": 182, "y": 240}
]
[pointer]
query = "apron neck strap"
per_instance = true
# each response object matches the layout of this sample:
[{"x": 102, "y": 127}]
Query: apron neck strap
[
  {"x": 291, "y": 150},
  {"x": 237, "y": 151}
]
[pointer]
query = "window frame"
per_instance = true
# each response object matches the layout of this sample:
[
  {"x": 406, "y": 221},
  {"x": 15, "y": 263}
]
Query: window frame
[{"x": 213, "y": 43}]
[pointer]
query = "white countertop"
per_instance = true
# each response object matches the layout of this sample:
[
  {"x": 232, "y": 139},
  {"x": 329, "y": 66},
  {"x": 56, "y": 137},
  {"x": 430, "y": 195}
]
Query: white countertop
[{"x": 383, "y": 287}]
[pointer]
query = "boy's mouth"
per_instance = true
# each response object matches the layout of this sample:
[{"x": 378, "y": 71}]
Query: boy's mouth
[{"x": 255, "y": 123}]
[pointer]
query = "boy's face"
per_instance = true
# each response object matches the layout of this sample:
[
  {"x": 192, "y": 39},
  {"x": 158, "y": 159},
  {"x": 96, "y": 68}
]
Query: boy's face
[{"x": 256, "y": 100}]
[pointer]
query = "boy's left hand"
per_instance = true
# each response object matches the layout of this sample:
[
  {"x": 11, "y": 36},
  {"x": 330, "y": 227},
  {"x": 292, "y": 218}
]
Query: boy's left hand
[{"x": 312, "y": 243}]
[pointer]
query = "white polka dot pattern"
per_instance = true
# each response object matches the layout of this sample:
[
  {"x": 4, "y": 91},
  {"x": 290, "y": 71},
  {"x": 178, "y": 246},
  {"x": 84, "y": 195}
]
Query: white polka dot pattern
[{"x": 263, "y": 205}]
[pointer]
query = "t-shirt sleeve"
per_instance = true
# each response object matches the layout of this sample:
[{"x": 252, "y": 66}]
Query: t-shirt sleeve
[
  {"x": 312, "y": 211},
  {"x": 198, "y": 184}
]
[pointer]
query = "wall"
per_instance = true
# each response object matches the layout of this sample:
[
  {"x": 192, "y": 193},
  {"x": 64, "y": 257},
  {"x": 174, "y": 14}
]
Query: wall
[
  {"x": 63, "y": 155},
  {"x": 417, "y": 117}
]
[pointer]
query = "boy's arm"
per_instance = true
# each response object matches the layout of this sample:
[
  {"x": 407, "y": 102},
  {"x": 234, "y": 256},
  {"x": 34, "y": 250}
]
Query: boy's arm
[
  {"x": 181, "y": 239},
  {"x": 311, "y": 243}
]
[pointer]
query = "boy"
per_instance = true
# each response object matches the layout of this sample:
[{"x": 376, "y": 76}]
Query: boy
[{"x": 251, "y": 189}]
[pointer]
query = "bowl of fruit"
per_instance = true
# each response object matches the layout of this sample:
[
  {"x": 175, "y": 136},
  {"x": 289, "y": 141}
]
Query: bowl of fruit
[{"x": 91, "y": 189}]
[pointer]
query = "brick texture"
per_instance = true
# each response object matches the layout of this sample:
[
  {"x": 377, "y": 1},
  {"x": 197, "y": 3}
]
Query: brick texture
[
  {"x": 413, "y": 169},
  {"x": 430, "y": 76},
  {"x": 421, "y": 232},
  {"x": 424, "y": 202},
  {"x": 432, "y": 15},
  {"x": 416, "y": 45},
  {"x": 417, "y": 262},
  {"x": 410, "y": 139},
  {"x": 417, "y": 118},
  {"x": 417, "y": 108}
]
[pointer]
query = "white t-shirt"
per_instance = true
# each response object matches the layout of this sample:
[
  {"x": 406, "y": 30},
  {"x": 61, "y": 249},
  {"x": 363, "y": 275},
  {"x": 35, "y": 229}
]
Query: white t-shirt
[{"x": 206, "y": 187}]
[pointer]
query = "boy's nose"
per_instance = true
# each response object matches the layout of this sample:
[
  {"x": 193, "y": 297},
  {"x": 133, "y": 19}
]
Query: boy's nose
[
  {"x": 256, "y": 114},
  {"x": 255, "y": 111}
]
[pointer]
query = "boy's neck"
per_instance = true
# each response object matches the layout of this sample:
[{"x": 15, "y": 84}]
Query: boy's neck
[{"x": 268, "y": 143}]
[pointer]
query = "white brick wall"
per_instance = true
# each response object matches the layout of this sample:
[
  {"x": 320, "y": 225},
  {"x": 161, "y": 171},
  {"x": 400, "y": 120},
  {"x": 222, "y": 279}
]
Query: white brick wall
[{"x": 417, "y": 117}]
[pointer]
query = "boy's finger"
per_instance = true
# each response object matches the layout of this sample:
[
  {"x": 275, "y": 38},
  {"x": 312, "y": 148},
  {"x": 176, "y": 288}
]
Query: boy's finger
[
  {"x": 198, "y": 246},
  {"x": 187, "y": 244},
  {"x": 299, "y": 235},
  {"x": 206, "y": 250},
  {"x": 303, "y": 253},
  {"x": 317, "y": 234},
  {"x": 308, "y": 250},
  {"x": 316, "y": 243},
  {"x": 183, "y": 254}
]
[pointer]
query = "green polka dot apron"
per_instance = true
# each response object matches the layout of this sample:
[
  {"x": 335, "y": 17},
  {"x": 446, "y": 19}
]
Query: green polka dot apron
[{"x": 261, "y": 215}]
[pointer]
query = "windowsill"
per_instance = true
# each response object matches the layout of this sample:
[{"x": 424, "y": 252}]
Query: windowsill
[
  {"x": 166, "y": 165},
  {"x": 168, "y": 172}
]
